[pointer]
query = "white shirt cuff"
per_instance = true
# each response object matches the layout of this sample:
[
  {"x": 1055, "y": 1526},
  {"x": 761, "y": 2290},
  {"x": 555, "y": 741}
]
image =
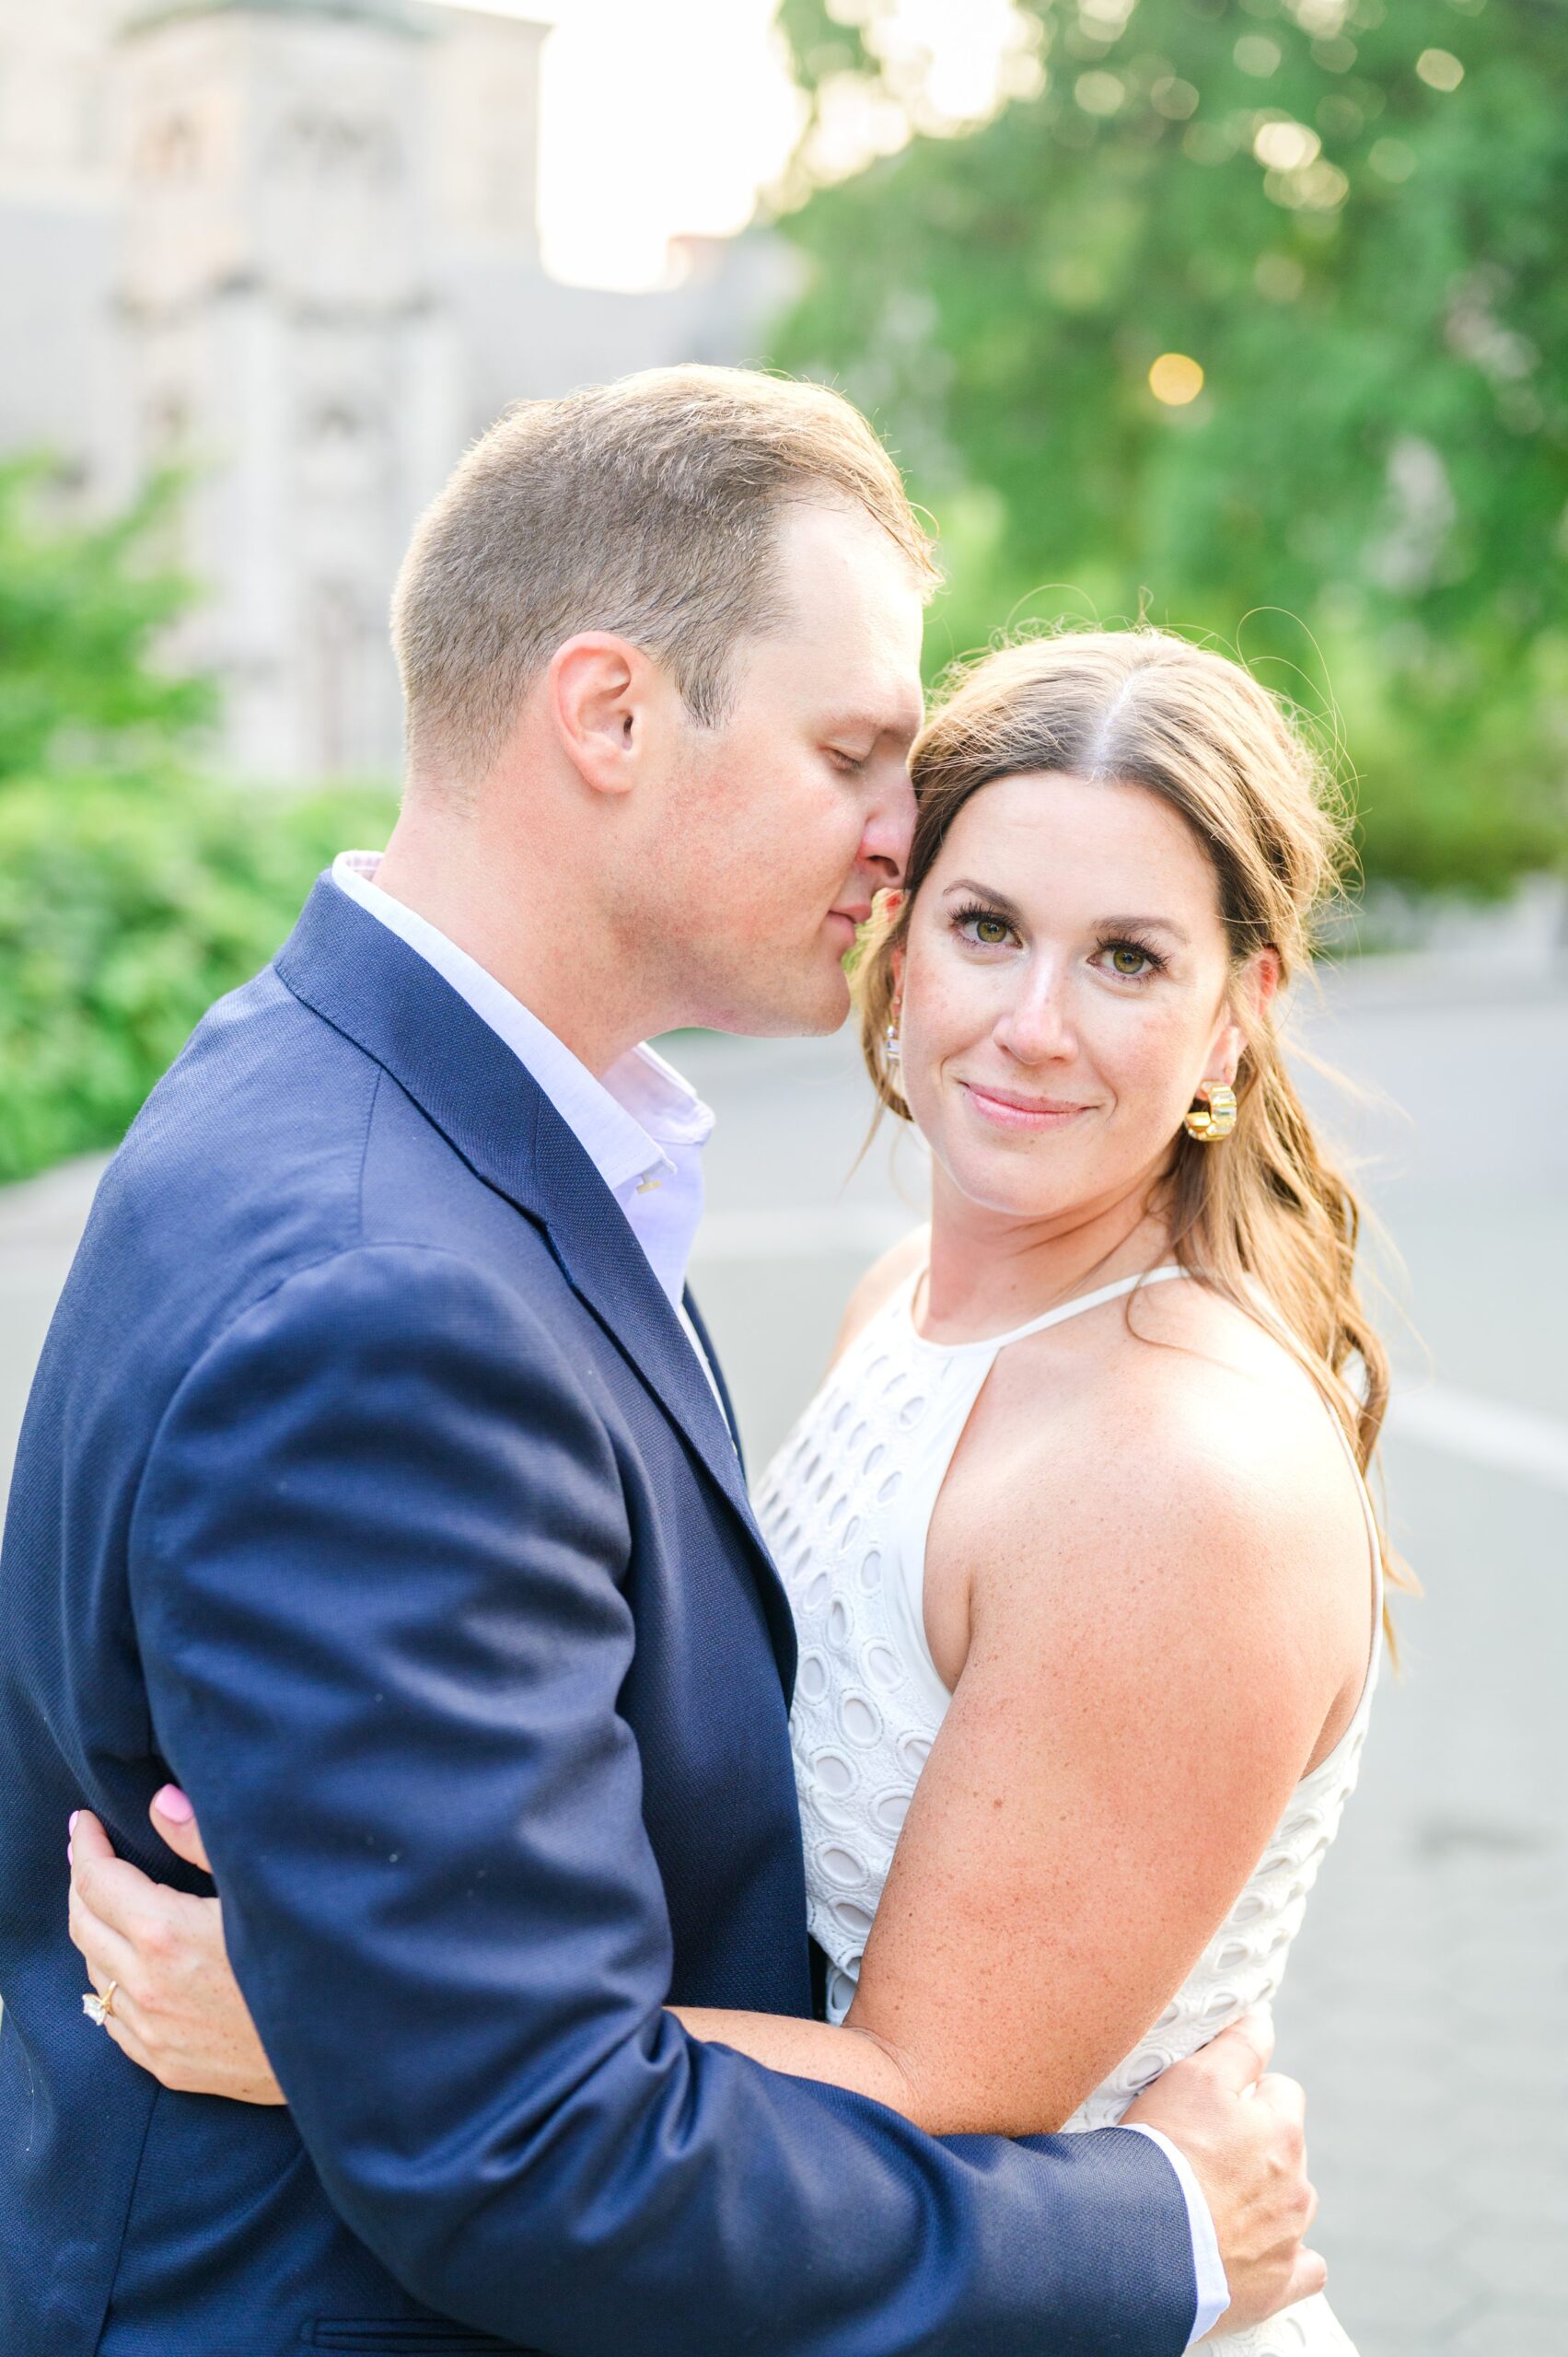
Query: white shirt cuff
[{"x": 1213, "y": 2292}]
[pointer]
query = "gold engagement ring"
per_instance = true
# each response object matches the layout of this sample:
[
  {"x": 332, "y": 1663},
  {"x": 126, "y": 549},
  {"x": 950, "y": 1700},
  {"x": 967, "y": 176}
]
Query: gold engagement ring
[{"x": 100, "y": 2009}]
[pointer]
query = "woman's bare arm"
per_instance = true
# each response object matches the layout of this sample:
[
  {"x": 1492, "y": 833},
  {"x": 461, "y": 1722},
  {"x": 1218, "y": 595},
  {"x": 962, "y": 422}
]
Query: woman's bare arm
[{"x": 1137, "y": 1703}]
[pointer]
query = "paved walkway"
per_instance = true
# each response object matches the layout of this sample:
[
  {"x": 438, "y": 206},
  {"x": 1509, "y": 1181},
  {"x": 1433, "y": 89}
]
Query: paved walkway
[{"x": 1427, "y": 2004}]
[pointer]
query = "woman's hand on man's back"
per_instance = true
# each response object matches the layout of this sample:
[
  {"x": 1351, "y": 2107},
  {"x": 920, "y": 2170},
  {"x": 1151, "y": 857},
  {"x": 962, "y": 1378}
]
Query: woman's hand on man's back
[{"x": 177, "y": 2007}]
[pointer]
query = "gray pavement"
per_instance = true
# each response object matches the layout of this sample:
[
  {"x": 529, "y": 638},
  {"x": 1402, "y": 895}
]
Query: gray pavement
[{"x": 1427, "y": 2001}]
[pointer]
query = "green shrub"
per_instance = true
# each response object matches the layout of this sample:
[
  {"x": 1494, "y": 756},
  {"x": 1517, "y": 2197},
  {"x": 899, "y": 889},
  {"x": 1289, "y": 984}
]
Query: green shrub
[
  {"x": 84, "y": 605},
  {"x": 126, "y": 907}
]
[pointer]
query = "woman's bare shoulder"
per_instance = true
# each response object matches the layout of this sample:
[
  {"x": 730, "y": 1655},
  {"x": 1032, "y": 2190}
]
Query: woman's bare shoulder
[
  {"x": 1206, "y": 1376},
  {"x": 1209, "y": 1384},
  {"x": 879, "y": 1285},
  {"x": 1191, "y": 1505},
  {"x": 1190, "y": 1422}
]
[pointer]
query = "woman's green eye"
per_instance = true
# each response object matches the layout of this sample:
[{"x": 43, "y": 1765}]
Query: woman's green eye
[
  {"x": 991, "y": 930},
  {"x": 1128, "y": 960}
]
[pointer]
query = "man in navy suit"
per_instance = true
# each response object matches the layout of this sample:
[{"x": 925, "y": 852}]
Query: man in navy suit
[{"x": 378, "y": 1488}]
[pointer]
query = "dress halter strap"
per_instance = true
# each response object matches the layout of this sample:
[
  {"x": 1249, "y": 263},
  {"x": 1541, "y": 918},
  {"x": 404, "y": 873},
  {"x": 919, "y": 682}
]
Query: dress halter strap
[{"x": 1057, "y": 1317}]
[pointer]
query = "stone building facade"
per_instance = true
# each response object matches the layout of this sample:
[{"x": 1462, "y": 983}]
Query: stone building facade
[{"x": 293, "y": 244}]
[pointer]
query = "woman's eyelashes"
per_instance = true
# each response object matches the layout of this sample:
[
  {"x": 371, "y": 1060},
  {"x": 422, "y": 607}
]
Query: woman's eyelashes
[
  {"x": 1130, "y": 960},
  {"x": 1123, "y": 955},
  {"x": 980, "y": 926}
]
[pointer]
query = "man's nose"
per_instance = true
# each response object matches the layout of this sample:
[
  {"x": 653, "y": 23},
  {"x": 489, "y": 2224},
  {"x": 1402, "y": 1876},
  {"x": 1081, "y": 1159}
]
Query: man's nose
[{"x": 889, "y": 829}]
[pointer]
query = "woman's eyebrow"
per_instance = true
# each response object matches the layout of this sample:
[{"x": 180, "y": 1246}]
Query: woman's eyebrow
[
  {"x": 1147, "y": 924},
  {"x": 999, "y": 900}
]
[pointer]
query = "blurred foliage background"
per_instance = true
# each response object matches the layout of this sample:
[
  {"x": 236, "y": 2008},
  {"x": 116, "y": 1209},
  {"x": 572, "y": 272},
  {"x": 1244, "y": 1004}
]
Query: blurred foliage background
[
  {"x": 1244, "y": 314},
  {"x": 135, "y": 887},
  {"x": 1250, "y": 315}
]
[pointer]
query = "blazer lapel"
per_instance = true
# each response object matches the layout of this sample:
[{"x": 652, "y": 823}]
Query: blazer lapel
[
  {"x": 370, "y": 985},
  {"x": 700, "y": 1327}
]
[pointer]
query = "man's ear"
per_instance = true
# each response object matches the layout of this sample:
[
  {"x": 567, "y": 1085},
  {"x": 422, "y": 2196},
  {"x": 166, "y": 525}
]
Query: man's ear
[{"x": 596, "y": 693}]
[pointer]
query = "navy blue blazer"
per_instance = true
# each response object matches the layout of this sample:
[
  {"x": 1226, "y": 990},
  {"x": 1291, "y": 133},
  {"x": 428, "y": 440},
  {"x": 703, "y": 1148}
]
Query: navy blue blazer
[{"x": 370, "y": 1490}]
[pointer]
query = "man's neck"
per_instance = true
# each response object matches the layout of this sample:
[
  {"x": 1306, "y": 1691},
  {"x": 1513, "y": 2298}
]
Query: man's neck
[{"x": 537, "y": 938}]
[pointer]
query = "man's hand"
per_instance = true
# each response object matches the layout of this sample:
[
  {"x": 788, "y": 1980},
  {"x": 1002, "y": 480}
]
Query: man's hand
[
  {"x": 1240, "y": 2126},
  {"x": 178, "y": 2010}
]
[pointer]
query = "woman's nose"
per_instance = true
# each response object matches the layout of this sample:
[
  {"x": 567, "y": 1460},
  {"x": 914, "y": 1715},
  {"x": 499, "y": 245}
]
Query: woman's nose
[{"x": 1036, "y": 1027}]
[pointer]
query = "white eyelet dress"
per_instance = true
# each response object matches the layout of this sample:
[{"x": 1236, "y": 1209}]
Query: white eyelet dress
[{"x": 845, "y": 1507}]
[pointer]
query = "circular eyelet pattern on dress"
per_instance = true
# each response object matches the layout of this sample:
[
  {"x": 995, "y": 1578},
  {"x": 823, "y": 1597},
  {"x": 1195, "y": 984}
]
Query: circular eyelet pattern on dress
[
  {"x": 811, "y": 1677},
  {"x": 860, "y": 1719},
  {"x": 861, "y": 1728},
  {"x": 864, "y": 1721}
]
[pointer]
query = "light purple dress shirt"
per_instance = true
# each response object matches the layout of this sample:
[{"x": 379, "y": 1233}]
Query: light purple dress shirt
[{"x": 641, "y": 1126}]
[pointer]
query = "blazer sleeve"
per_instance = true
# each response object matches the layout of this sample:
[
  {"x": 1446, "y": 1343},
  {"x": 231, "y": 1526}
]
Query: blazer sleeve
[{"x": 374, "y": 1576}]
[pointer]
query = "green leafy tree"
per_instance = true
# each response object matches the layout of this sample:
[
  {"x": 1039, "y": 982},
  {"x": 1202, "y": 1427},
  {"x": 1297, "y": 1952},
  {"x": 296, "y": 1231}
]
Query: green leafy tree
[
  {"x": 82, "y": 606},
  {"x": 1328, "y": 233}
]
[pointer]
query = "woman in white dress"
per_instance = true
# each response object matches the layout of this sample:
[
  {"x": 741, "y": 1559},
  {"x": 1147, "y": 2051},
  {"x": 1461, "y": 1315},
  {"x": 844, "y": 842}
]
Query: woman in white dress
[
  {"x": 1082, "y": 1561},
  {"x": 1087, "y": 1581}
]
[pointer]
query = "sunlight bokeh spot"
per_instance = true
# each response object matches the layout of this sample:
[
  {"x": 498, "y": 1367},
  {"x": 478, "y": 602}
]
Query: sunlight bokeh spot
[
  {"x": 1285, "y": 146},
  {"x": 1176, "y": 379},
  {"x": 1391, "y": 160},
  {"x": 1173, "y": 97},
  {"x": 1440, "y": 69},
  {"x": 1322, "y": 19},
  {"x": 1098, "y": 93},
  {"x": 1257, "y": 56}
]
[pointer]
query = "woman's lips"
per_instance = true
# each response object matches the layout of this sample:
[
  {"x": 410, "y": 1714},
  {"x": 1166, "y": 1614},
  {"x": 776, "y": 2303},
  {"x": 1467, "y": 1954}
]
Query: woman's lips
[{"x": 1008, "y": 1110}]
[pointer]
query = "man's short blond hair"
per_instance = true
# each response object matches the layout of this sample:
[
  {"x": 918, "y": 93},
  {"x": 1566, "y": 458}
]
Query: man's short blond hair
[{"x": 649, "y": 507}]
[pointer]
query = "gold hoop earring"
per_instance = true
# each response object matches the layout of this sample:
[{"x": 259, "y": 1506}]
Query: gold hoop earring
[{"x": 1212, "y": 1116}]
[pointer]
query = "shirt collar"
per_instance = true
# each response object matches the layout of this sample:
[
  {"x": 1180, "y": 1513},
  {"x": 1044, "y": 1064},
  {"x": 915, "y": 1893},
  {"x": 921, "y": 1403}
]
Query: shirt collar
[{"x": 624, "y": 1122}]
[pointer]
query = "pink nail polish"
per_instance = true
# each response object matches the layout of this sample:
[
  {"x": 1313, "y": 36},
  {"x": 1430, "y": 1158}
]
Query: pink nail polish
[
  {"x": 71, "y": 1820},
  {"x": 171, "y": 1803}
]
